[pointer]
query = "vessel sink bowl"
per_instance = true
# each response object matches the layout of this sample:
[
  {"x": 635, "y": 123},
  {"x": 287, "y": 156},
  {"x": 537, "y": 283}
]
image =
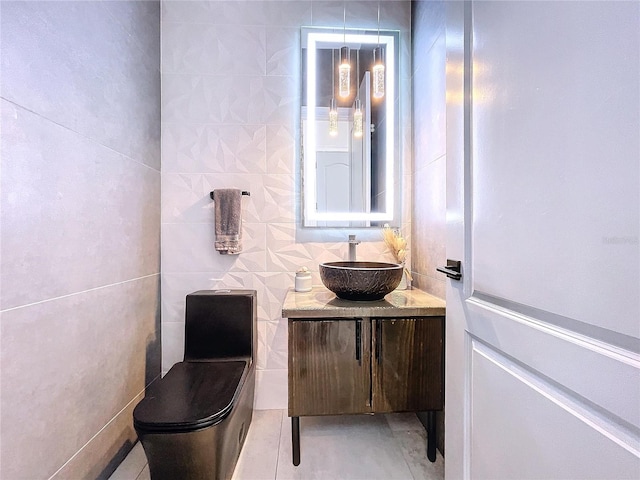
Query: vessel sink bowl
[{"x": 362, "y": 281}]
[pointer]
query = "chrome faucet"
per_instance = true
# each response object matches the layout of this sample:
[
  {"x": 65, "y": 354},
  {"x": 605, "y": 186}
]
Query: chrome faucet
[{"x": 352, "y": 247}]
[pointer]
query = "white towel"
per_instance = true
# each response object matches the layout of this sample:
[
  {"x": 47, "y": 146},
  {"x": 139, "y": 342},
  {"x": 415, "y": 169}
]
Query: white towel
[{"x": 228, "y": 221}]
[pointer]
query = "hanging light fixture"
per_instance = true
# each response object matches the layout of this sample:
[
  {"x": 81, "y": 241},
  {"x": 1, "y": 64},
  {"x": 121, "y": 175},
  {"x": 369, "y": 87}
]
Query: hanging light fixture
[
  {"x": 333, "y": 109},
  {"x": 344, "y": 82},
  {"x": 378, "y": 65},
  {"x": 357, "y": 114}
]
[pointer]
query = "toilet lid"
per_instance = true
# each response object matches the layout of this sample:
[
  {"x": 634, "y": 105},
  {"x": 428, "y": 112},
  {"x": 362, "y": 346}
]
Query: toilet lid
[{"x": 192, "y": 395}]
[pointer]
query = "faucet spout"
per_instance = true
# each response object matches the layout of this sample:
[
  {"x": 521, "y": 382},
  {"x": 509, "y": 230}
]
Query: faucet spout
[{"x": 352, "y": 247}]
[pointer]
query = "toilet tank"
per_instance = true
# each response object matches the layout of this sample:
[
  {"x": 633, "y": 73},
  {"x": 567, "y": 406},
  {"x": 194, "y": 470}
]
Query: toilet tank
[{"x": 220, "y": 324}]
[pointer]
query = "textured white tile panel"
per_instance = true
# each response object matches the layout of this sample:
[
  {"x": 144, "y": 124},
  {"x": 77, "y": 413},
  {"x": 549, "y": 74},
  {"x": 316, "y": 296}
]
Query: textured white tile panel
[
  {"x": 214, "y": 98},
  {"x": 213, "y": 49},
  {"x": 203, "y": 148},
  {"x": 231, "y": 12},
  {"x": 281, "y": 151},
  {"x": 281, "y": 99},
  {"x": 283, "y": 51},
  {"x": 275, "y": 289},
  {"x": 272, "y": 346},
  {"x": 172, "y": 344},
  {"x": 395, "y": 15},
  {"x": 186, "y": 196},
  {"x": 287, "y": 13},
  {"x": 279, "y": 201},
  {"x": 230, "y": 99},
  {"x": 271, "y": 389},
  {"x": 189, "y": 247},
  {"x": 177, "y": 285},
  {"x": 327, "y": 13}
]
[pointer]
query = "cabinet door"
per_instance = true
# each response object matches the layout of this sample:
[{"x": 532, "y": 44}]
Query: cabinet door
[
  {"x": 329, "y": 367},
  {"x": 407, "y": 364}
]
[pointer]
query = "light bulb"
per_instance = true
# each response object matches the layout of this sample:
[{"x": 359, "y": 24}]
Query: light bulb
[
  {"x": 333, "y": 118},
  {"x": 357, "y": 119},
  {"x": 344, "y": 81},
  {"x": 378, "y": 72}
]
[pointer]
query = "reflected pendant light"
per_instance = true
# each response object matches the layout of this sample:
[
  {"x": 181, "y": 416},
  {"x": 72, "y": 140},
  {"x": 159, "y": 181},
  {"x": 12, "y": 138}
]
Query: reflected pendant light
[
  {"x": 378, "y": 65},
  {"x": 344, "y": 79},
  {"x": 357, "y": 114},
  {"x": 378, "y": 72},
  {"x": 333, "y": 109}
]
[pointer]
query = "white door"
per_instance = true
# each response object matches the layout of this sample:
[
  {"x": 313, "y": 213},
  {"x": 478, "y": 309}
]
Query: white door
[
  {"x": 543, "y": 182},
  {"x": 332, "y": 171}
]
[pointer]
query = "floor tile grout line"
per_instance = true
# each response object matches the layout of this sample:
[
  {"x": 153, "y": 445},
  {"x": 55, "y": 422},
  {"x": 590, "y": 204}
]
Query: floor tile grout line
[
  {"x": 140, "y": 474},
  {"x": 282, "y": 413},
  {"x": 145, "y": 457}
]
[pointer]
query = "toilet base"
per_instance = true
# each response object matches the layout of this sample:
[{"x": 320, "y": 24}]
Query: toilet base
[{"x": 205, "y": 454}]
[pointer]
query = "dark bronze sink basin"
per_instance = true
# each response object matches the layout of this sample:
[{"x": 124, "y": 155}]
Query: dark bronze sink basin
[{"x": 363, "y": 281}]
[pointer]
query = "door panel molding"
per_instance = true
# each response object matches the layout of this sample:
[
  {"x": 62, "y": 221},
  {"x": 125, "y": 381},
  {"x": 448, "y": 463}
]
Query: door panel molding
[
  {"x": 602, "y": 368},
  {"x": 609, "y": 337},
  {"x": 529, "y": 387}
]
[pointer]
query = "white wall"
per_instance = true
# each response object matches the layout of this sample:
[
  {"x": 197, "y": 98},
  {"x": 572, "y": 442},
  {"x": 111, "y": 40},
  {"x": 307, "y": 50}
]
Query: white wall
[
  {"x": 230, "y": 118},
  {"x": 80, "y": 227},
  {"x": 428, "y": 62}
]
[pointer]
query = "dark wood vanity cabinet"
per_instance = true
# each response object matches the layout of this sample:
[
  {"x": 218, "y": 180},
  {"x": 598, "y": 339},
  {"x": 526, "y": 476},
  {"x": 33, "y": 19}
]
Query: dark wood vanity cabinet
[
  {"x": 364, "y": 357},
  {"x": 327, "y": 373},
  {"x": 365, "y": 365},
  {"x": 407, "y": 364}
]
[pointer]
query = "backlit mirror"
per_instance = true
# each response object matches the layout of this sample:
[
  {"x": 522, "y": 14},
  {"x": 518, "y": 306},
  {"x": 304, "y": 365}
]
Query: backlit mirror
[{"x": 349, "y": 128}]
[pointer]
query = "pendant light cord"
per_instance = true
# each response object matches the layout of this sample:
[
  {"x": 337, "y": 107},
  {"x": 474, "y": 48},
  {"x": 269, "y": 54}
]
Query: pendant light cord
[
  {"x": 333, "y": 74},
  {"x": 344, "y": 22},
  {"x": 378, "y": 23},
  {"x": 358, "y": 73}
]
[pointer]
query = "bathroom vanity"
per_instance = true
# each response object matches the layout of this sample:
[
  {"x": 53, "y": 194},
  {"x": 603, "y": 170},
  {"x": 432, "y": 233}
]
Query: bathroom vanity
[{"x": 350, "y": 357}]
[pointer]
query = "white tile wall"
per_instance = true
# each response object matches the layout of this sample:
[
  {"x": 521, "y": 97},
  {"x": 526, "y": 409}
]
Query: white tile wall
[{"x": 231, "y": 88}]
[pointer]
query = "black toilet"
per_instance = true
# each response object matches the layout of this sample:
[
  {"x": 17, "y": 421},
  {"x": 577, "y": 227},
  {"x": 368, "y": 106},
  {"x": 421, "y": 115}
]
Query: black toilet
[{"x": 192, "y": 423}]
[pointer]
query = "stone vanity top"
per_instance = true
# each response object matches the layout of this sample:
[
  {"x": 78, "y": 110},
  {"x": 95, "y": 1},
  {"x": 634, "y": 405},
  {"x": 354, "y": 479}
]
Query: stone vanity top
[{"x": 322, "y": 303}]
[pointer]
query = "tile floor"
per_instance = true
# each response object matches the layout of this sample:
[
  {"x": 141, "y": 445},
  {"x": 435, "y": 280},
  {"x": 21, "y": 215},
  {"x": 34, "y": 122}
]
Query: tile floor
[{"x": 359, "y": 447}]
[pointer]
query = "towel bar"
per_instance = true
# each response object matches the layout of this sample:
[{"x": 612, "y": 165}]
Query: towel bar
[{"x": 244, "y": 192}]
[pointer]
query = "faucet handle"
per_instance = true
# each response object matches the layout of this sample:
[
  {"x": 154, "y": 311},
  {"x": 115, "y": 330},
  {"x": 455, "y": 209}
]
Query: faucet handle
[{"x": 352, "y": 240}]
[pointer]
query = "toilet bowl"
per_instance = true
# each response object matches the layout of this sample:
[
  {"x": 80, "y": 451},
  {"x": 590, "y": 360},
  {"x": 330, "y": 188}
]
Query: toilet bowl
[{"x": 192, "y": 423}]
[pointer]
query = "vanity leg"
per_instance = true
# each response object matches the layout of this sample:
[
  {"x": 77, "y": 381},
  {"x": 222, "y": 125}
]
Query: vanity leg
[
  {"x": 295, "y": 439},
  {"x": 431, "y": 435}
]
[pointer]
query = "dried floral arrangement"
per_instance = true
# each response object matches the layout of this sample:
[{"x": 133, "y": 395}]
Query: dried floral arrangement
[{"x": 397, "y": 244}]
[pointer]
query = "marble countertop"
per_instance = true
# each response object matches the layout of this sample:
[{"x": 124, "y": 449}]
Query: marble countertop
[{"x": 322, "y": 303}]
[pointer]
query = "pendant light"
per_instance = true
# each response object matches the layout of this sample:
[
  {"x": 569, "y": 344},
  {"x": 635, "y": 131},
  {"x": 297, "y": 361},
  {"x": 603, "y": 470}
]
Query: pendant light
[
  {"x": 344, "y": 82},
  {"x": 333, "y": 109},
  {"x": 378, "y": 65},
  {"x": 357, "y": 114}
]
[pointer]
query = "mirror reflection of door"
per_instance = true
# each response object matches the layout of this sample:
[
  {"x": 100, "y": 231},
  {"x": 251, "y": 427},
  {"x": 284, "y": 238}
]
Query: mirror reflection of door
[
  {"x": 361, "y": 157},
  {"x": 333, "y": 184},
  {"x": 344, "y": 164}
]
